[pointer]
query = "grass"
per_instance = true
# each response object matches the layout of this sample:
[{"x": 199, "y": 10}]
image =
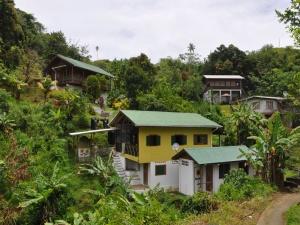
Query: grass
[
  {"x": 233, "y": 213},
  {"x": 225, "y": 109},
  {"x": 293, "y": 215},
  {"x": 32, "y": 94}
]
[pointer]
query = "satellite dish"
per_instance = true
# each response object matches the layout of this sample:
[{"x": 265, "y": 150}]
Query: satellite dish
[{"x": 175, "y": 146}]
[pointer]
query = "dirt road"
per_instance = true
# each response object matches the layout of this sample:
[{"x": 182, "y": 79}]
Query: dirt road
[{"x": 273, "y": 214}]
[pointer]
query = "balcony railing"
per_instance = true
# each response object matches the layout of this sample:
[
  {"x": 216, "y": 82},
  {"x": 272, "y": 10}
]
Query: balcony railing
[{"x": 131, "y": 149}]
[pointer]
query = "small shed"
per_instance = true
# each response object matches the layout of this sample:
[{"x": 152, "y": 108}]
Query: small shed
[{"x": 204, "y": 169}]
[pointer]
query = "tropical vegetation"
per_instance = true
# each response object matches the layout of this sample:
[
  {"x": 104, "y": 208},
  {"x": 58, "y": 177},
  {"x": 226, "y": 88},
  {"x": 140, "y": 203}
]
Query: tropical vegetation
[{"x": 40, "y": 181}]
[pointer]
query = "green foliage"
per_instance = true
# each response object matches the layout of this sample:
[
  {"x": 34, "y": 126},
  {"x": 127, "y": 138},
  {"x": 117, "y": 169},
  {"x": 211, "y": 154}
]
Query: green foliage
[
  {"x": 242, "y": 123},
  {"x": 4, "y": 98},
  {"x": 95, "y": 86},
  {"x": 201, "y": 202},
  {"x": 228, "y": 60},
  {"x": 271, "y": 149},
  {"x": 291, "y": 17},
  {"x": 44, "y": 202},
  {"x": 293, "y": 215},
  {"x": 163, "y": 98},
  {"x": 239, "y": 186},
  {"x": 46, "y": 84}
]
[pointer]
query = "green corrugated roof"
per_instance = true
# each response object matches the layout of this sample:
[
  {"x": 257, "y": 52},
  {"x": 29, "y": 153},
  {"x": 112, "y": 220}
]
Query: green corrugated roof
[
  {"x": 208, "y": 155},
  {"x": 85, "y": 66},
  {"x": 167, "y": 119}
]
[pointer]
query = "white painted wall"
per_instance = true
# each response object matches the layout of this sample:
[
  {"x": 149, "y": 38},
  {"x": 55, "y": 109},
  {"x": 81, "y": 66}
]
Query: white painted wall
[
  {"x": 186, "y": 176},
  {"x": 263, "y": 105},
  {"x": 188, "y": 173},
  {"x": 168, "y": 181},
  {"x": 218, "y": 181}
]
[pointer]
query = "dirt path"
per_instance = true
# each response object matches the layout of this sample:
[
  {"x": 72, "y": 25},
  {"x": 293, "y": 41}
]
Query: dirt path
[{"x": 273, "y": 214}]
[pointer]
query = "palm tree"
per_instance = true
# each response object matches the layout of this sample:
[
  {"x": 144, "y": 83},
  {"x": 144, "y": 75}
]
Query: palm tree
[{"x": 271, "y": 149}]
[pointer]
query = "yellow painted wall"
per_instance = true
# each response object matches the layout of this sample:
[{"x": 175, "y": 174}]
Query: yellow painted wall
[{"x": 164, "y": 152}]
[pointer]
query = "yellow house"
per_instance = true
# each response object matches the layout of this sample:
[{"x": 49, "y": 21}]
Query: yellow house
[{"x": 147, "y": 141}]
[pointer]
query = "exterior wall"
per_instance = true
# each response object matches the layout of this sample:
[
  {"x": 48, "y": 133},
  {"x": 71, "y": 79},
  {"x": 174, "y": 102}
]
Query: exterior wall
[
  {"x": 216, "y": 180},
  {"x": 164, "y": 152},
  {"x": 263, "y": 106},
  {"x": 169, "y": 181},
  {"x": 186, "y": 176}
]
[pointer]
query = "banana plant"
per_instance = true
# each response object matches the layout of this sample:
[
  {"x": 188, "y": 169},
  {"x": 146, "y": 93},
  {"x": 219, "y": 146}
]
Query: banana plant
[
  {"x": 6, "y": 124},
  {"x": 46, "y": 193},
  {"x": 271, "y": 149}
]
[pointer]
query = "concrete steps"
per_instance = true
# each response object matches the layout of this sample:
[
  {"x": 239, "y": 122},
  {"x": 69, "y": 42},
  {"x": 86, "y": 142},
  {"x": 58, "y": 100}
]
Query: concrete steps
[{"x": 127, "y": 176}]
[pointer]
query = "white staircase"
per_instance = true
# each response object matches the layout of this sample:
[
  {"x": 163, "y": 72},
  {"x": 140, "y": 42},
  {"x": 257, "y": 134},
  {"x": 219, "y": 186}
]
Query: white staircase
[
  {"x": 128, "y": 176},
  {"x": 117, "y": 163}
]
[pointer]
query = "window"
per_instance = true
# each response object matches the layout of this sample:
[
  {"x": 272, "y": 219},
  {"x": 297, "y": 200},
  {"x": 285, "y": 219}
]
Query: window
[
  {"x": 153, "y": 140},
  {"x": 200, "y": 139},
  {"x": 256, "y": 105},
  {"x": 269, "y": 104},
  {"x": 180, "y": 139},
  {"x": 244, "y": 166},
  {"x": 160, "y": 170},
  {"x": 227, "y": 83},
  {"x": 223, "y": 170}
]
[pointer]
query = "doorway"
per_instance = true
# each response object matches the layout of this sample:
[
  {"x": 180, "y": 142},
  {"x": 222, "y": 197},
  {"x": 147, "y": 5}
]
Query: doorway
[
  {"x": 209, "y": 177},
  {"x": 146, "y": 168}
]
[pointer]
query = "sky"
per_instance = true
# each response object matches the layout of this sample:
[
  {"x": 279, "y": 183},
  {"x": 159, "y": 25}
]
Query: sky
[{"x": 162, "y": 28}]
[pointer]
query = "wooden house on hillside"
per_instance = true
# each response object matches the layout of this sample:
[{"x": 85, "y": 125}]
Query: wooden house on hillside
[
  {"x": 68, "y": 71},
  {"x": 223, "y": 89}
]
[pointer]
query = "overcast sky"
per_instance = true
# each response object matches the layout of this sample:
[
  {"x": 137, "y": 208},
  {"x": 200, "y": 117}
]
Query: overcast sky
[{"x": 161, "y": 28}]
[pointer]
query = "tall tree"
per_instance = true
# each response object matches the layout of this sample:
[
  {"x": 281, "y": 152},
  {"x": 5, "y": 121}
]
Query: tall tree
[
  {"x": 228, "y": 60},
  {"x": 11, "y": 31},
  {"x": 291, "y": 17},
  {"x": 138, "y": 77}
]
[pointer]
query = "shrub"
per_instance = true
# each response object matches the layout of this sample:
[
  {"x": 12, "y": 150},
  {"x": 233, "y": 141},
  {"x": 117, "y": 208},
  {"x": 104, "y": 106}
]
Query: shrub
[
  {"x": 95, "y": 85},
  {"x": 201, "y": 202},
  {"x": 81, "y": 121},
  {"x": 4, "y": 96},
  {"x": 239, "y": 186}
]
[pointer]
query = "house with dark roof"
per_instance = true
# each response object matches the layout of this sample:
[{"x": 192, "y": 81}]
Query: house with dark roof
[
  {"x": 223, "y": 89},
  {"x": 146, "y": 141},
  {"x": 68, "y": 71},
  {"x": 204, "y": 168}
]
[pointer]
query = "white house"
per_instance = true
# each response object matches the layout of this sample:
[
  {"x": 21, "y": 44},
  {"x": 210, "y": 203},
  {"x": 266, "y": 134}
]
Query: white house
[
  {"x": 204, "y": 169},
  {"x": 266, "y": 105}
]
